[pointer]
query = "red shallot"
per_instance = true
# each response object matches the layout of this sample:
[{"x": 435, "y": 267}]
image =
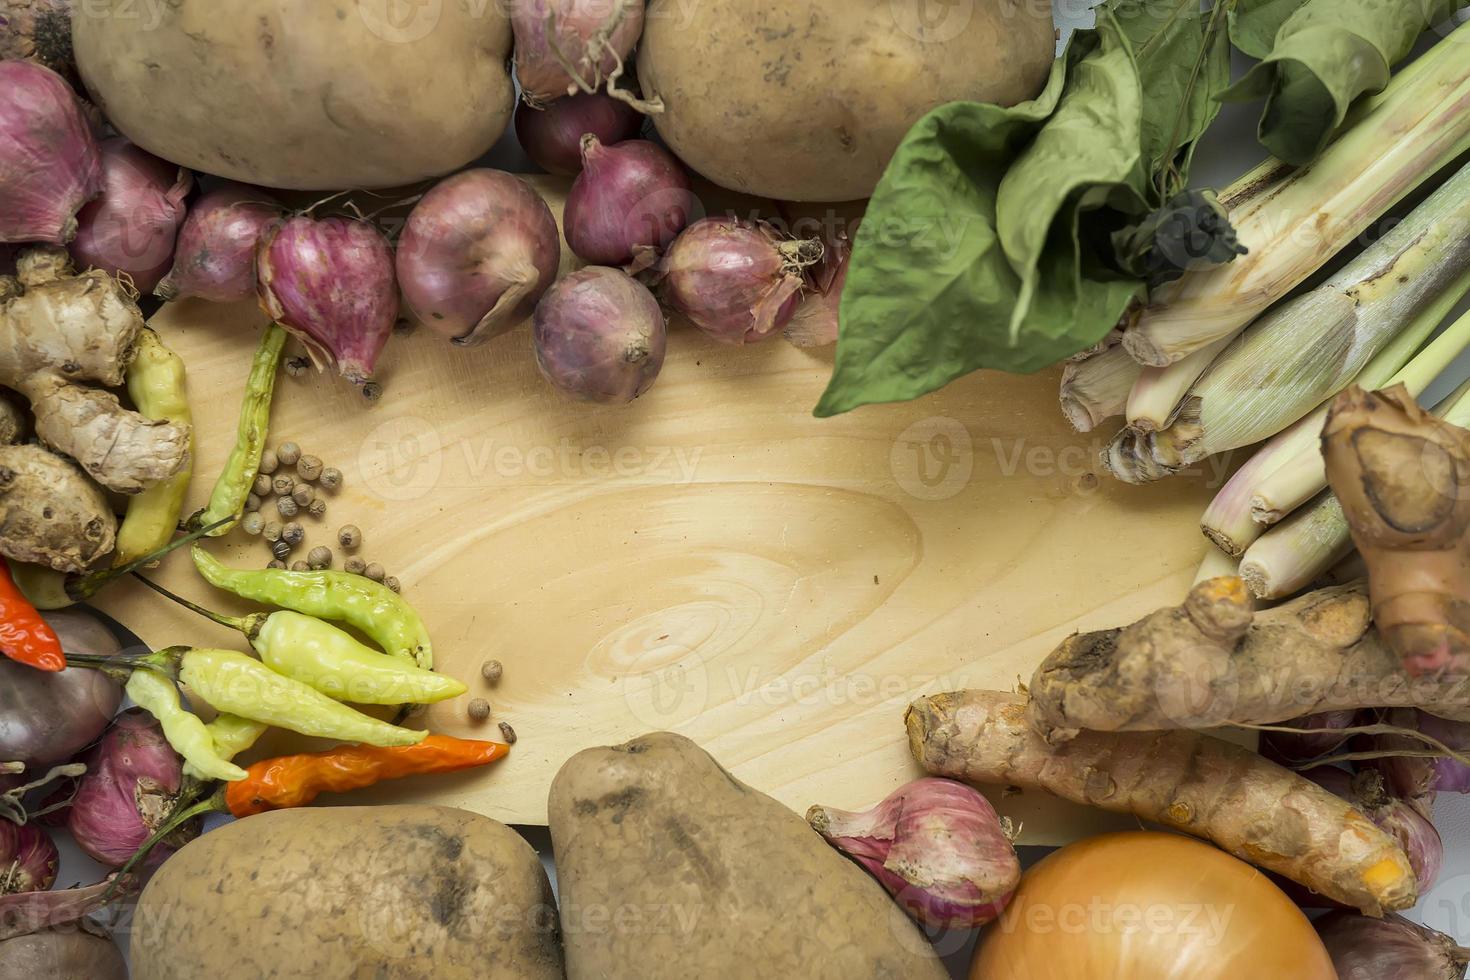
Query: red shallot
[
  {"x": 330, "y": 282},
  {"x": 565, "y": 46},
  {"x": 628, "y": 198},
  {"x": 552, "y": 136},
  {"x": 738, "y": 281},
  {"x": 936, "y": 845},
  {"x": 1391, "y": 948},
  {"x": 214, "y": 258},
  {"x": 600, "y": 336},
  {"x": 28, "y": 858},
  {"x": 49, "y": 161},
  {"x": 477, "y": 254},
  {"x": 816, "y": 319},
  {"x": 130, "y": 229},
  {"x": 129, "y": 791}
]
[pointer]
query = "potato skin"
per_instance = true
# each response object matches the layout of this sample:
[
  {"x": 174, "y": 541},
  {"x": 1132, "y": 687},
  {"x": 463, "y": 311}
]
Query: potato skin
[
  {"x": 670, "y": 868},
  {"x": 357, "y": 893},
  {"x": 302, "y": 94},
  {"x": 807, "y": 101}
]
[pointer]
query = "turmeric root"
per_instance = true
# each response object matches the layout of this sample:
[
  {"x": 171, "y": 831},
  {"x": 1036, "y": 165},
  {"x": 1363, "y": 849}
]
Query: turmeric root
[
  {"x": 59, "y": 329},
  {"x": 1403, "y": 478},
  {"x": 50, "y": 513},
  {"x": 1191, "y": 782},
  {"x": 1210, "y": 663}
]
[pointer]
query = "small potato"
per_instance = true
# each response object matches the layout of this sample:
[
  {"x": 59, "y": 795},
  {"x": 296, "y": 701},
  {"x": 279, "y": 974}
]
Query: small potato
[{"x": 358, "y": 893}]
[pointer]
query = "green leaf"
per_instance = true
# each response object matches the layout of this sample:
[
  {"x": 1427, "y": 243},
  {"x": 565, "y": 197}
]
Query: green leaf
[
  {"x": 1254, "y": 24},
  {"x": 979, "y": 210},
  {"x": 1320, "y": 59}
]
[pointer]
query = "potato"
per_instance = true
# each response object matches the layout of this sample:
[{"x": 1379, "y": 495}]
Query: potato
[
  {"x": 357, "y": 893},
  {"x": 670, "y": 868},
  {"x": 69, "y": 955},
  {"x": 807, "y": 101},
  {"x": 321, "y": 95}
]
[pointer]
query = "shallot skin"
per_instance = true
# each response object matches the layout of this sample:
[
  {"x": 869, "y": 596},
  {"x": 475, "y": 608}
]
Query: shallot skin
[
  {"x": 129, "y": 790},
  {"x": 477, "y": 254},
  {"x": 629, "y": 197},
  {"x": 50, "y": 164},
  {"x": 214, "y": 258},
  {"x": 594, "y": 37},
  {"x": 600, "y": 336},
  {"x": 131, "y": 228},
  {"x": 330, "y": 282},
  {"x": 552, "y": 135}
]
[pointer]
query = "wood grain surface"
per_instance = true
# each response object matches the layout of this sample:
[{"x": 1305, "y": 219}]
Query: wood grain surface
[{"x": 711, "y": 560}]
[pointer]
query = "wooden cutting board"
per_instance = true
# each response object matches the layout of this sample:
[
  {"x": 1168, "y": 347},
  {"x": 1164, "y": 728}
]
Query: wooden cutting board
[{"x": 711, "y": 560}]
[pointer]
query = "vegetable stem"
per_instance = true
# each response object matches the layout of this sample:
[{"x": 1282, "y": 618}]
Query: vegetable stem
[{"x": 1095, "y": 388}]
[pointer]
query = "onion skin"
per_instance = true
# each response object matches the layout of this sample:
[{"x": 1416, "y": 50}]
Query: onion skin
[
  {"x": 552, "y": 136},
  {"x": 48, "y": 718},
  {"x": 330, "y": 282},
  {"x": 1292, "y": 749},
  {"x": 28, "y": 859},
  {"x": 214, "y": 258},
  {"x": 737, "y": 281},
  {"x": 1391, "y": 948},
  {"x": 628, "y": 198},
  {"x": 600, "y": 336},
  {"x": 477, "y": 254},
  {"x": 129, "y": 790},
  {"x": 50, "y": 164},
  {"x": 70, "y": 955},
  {"x": 936, "y": 845},
  {"x": 131, "y": 227},
  {"x": 1149, "y": 906},
  {"x": 613, "y": 26},
  {"x": 817, "y": 318}
]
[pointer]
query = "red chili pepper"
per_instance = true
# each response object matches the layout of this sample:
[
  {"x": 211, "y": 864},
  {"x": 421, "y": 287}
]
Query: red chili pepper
[
  {"x": 24, "y": 635},
  {"x": 295, "y": 780}
]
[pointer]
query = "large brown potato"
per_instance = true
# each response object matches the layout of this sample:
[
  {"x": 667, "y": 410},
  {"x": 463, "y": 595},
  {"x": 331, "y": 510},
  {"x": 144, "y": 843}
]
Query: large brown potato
[
  {"x": 671, "y": 869},
  {"x": 807, "y": 101},
  {"x": 357, "y": 893},
  {"x": 305, "y": 94}
]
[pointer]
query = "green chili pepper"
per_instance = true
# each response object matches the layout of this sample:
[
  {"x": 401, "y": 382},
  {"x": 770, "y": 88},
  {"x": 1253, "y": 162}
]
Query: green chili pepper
[
  {"x": 328, "y": 659},
  {"x": 188, "y": 735},
  {"x": 370, "y": 607},
  {"x": 241, "y": 685},
  {"x": 233, "y": 485},
  {"x": 156, "y": 385}
]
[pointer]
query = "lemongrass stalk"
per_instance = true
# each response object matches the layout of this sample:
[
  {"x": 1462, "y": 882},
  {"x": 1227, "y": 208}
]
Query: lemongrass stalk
[
  {"x": 1216, "y": 564},
  {"x": 1416, "y": 126},
  {"x": 1305, "y": 475},
  {"x": 1095, "y": 388},
  {"x": 1298, "y": 550},
  {"x": 1303, "y": 352},
  {"x": 1311, "y": 541},
  {"x": 1272, "y": 484},
  {"x": 1159, "y": 390}
]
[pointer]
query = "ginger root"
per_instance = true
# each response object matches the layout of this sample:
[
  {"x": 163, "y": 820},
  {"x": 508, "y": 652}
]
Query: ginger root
[
  {"x": 50, "y": 513},
  {"x": 1210, "y": 663},
  {"x": 1191, "y": 782},
  {"x": 1403, "y": 478},
  {"x": 58, "y": 330}
]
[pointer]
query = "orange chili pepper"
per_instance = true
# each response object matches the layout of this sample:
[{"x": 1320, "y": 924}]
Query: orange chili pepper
[
  {"x": 295, "y": 780},
  {"x": 25, "y": 636}
]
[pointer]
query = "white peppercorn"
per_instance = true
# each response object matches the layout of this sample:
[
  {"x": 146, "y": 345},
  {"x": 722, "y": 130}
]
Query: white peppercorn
[
  {"x": 268, "y": 461},
  {"x": 252, "y": 523},
  {"x": 319, "y": 557},
  {"x": 275, "y": 563},
  {"x": 392, "y": 582},
  {"x": 318, "y": 508},
  {"x": 479, "y": 710},
  {"x": 300, "y": 566},
  {"x": 303, "y": 495},
  {"x": 288, "y": 453},
  {"x": 287, "y": 506},
  {"x": 354, "y": 565},
  {"x": 252, "y": 502},
  {"x": 272, "y": 530},
  {"x": 293, "y": 534},
  {"x": 309, "y": 468},
  {"x": 262, "y": 486},
  {"x": 282, "y": 484},
  {"x": 331, "y": 478},
  {"x": 492, "y": 671},
  {"x": 375, "y": 571},
  {"x": 349, "y": 536}
]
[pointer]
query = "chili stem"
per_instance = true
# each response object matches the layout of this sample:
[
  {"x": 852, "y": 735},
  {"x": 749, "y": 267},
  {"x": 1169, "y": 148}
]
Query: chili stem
[
  {"x": 184, "y": 812},
  {"x": 245, "y": 624},
  {"x": 88, "y": 585}
]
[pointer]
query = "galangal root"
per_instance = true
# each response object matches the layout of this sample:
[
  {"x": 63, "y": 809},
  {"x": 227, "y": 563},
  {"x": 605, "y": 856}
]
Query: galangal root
[
  {"x": 1212, "y": 662},
  {"x": 59, "y": 331},
  {"x": 1253, "y": 808},
  {"x": 1403, "y": 478}
]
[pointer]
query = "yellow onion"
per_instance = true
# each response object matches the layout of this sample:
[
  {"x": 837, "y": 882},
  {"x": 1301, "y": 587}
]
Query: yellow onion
[{"x": 1149, "y": 906}]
